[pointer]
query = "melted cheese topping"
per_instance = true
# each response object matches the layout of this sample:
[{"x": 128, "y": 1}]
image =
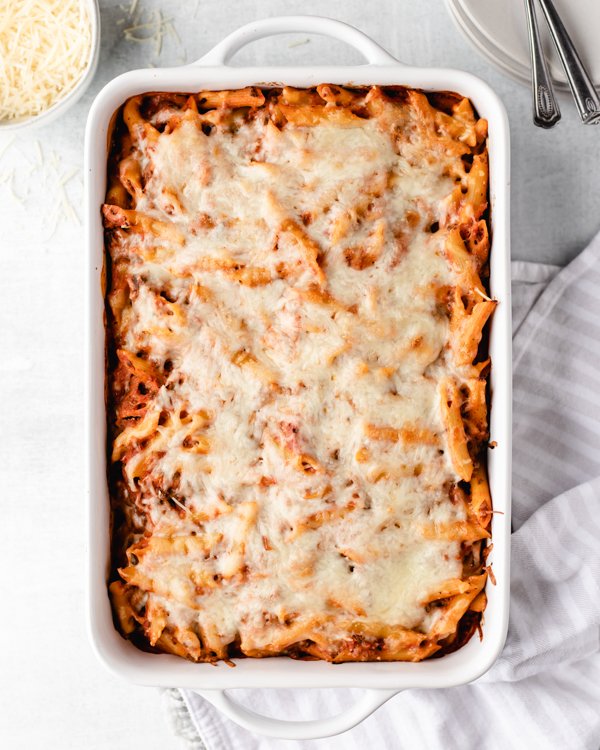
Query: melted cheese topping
[{"x": 323, "y": 456}]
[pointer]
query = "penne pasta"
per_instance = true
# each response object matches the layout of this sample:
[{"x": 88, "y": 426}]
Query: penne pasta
[
  {"x": 296, "y": 309},
  {"x": 455, "y": 430}
]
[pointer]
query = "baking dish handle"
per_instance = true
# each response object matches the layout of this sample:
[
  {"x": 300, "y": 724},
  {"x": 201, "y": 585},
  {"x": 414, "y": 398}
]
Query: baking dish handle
[
  {"x": 297, "y": 730},
  {"x": 225, "y": 50}
]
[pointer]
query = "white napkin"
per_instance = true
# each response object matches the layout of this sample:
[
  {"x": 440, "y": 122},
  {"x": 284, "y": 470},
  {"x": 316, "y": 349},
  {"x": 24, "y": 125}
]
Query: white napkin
[{"x": 544, "y": 691}]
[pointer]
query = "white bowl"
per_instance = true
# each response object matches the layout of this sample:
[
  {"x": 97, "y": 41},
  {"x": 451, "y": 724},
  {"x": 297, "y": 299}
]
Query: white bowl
[{"x": 63, "y": 104}]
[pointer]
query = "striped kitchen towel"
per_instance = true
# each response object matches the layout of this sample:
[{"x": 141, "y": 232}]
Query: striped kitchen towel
[{"x": 544, "y": 691}]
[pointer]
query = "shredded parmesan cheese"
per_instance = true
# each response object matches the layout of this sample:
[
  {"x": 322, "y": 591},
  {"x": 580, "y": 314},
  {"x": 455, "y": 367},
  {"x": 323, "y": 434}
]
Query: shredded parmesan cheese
[
  {"x": 4, "y": 148},
  {"x": 140, "y": 26},
  {"x": 28, "y": 176},
  {"x": 44, "y": 49},
  {"x": 153, "y": 29}
]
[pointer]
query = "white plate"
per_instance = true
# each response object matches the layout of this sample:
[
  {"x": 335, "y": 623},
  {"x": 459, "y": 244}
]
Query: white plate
[{"x": 498, "y": 29}]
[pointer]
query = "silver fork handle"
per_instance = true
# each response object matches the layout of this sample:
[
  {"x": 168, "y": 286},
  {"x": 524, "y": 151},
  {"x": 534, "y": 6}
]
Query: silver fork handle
[
  {"x": 546, "y": 112},
  {"x": 584, "y": 93}
]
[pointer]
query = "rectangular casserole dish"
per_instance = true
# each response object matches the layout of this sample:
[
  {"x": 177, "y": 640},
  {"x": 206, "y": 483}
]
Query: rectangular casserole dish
[{"x": 122, "y": 657}]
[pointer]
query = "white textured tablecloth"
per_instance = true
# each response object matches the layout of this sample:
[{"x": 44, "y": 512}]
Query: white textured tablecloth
[{"x": 544, "y": 691}]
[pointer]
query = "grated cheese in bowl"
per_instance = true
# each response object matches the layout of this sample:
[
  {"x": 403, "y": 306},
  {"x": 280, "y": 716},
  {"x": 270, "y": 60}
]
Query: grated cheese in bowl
[{"x": 46, "y": 49}]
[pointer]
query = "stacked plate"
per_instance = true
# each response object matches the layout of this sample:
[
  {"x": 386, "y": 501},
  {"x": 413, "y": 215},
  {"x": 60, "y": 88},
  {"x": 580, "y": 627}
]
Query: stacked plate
[{"x": 498, "y": 29}]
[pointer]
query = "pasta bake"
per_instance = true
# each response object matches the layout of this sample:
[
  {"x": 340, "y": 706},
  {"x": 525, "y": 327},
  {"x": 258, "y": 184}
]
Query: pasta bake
[{"x": 296, "y": 372}]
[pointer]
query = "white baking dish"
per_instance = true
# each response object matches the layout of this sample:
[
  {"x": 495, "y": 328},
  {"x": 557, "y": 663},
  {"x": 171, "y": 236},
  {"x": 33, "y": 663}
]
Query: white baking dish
[{"x": 380, "y": 680}]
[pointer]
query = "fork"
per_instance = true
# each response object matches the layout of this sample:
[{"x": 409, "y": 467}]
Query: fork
[
  {"x": 584, "y": 93},
  {"x": 546, "y": 112}
]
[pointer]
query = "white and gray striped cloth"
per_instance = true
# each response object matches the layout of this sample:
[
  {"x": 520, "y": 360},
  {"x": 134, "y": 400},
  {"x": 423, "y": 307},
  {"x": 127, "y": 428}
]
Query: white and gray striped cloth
[{"x": 544, "y": 691}]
